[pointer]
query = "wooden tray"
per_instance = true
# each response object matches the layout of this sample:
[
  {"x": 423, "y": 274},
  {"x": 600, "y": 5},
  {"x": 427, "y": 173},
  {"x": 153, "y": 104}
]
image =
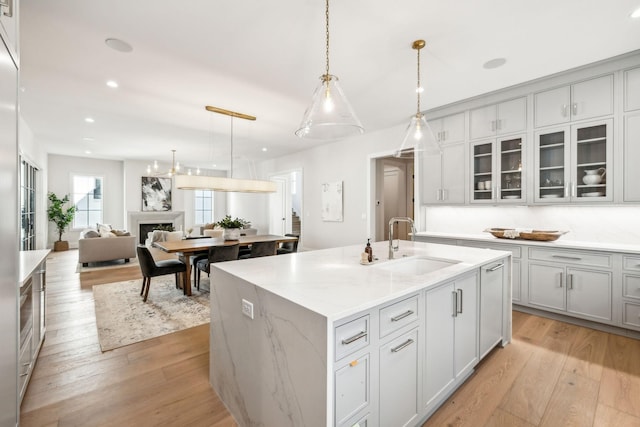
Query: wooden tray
[{"x": 539, "y": 235}]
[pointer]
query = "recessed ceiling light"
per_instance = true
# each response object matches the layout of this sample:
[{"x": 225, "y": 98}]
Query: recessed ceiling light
[
  {"x": 87, "y": 152},
  {"x": 264, "y": 148},
  {"x": 89, "y": 119},
  {"x": 636, "y": 13},
  {"x": 494, "y": 63},
  {"x": 119, "y": 45},
  {"x": 112, "y": 83},
  {"x": 88, "y": 139}
]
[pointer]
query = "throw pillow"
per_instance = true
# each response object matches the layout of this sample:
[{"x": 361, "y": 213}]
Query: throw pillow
[
  {"x": 103, "y": 228},
  {"x": 89, "y": 234},
  {"x": 121, "y": 233},
  {"x": 107, "y": 234},
  {"x": 209, "y": 226}
]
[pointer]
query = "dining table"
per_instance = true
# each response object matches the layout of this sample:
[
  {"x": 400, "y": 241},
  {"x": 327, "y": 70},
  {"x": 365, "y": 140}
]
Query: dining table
[{"x": 185, "y": 248}]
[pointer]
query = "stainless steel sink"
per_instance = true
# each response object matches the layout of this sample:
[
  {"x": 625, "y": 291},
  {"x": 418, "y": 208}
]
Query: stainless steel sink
[{"x": 416, "y": 266}]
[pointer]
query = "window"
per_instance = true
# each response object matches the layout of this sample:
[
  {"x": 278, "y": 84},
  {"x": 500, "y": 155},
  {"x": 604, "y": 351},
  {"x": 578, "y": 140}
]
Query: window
[
  {"x": 87, "y": 198},
  {"x": 204, "y": 206},
  {"x": 28, "y": 184}
]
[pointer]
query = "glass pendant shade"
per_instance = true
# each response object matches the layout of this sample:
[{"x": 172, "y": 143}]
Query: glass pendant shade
[
  {"x": 330, "y": 115},
  {"x": 419, "y": 137}
]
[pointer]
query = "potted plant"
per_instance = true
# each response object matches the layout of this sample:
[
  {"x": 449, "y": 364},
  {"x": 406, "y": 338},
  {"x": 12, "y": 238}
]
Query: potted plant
[
  {"x": 61, "y": 217},
  {"x": 231, "y": 227}
]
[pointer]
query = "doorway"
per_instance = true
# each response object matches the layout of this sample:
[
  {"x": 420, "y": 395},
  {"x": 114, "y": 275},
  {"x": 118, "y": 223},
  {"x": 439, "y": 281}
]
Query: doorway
[
  {"x": 285, "y": 205},
  {"x": 393, "y": 194}
]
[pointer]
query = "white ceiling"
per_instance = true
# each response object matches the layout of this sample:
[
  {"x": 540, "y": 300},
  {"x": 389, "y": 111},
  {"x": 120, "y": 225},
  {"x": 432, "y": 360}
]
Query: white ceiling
[{"x": 264, "y": 58}]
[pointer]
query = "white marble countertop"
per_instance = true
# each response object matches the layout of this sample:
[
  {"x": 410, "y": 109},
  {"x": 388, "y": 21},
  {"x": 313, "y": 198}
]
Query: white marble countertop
[
  {"x": 29, "y": 260},
  {"x": 332, "y": 282},
  {"x": 560, "y": 243}
]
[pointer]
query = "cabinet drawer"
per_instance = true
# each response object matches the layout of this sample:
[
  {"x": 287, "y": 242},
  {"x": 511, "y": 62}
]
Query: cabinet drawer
[
  {"x": 631, "y": 315},
  {"x": 397, "y": 315},
  {"x": 515, "y": 249},
  {"x": 631, "y": 287},
  {"x": 571, "y": 257},
  {"x": 631, "y": 263},
  {"x": 352, "y": 389},
  {"x": 352, "y": 336}
]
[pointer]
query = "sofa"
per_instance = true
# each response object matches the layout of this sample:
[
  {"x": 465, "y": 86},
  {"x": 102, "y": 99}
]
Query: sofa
[{"x": 96, "y": 247}]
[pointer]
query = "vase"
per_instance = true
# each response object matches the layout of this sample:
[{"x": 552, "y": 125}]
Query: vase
[{"x": 231, "y": 234}]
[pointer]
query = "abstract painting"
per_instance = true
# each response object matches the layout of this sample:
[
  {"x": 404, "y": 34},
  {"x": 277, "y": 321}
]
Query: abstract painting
[
  {"x": 156, "y": 194},
  {"x": 332, "y": 201}
]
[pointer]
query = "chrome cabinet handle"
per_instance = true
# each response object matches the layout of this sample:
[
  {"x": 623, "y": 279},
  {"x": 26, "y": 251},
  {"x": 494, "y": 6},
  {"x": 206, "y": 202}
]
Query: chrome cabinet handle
[
  {"x": 454, "y": 303},
  {"x": 354, "y": 338},
  {"x": 405, "y": 344},
  {"x": 561, "y": 279},
  {"x": 402, "y": 316},
  {"x": 495, "y": 267},
  {"x": 445, "y": 194},
  {"x": 566, "y": 190},
  {"x": 564, "y": 110},
  {"x": 499, "y": 124},
  {"x": 493, "y": 125},
  {"x": 459, "y": 291},
  {"x": 569, "y": 281},
  {"x": 575, "y": 108},
  {"x": 573, "y": 258}
]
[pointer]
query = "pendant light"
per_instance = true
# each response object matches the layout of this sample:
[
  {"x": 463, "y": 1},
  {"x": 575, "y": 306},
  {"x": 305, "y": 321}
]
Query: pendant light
[
  {"x": 330, "y": 115},
  {"x": 419, "y": 135},
  {"x": 175, "y": 167},
  {"x": 218, "y": 183}
]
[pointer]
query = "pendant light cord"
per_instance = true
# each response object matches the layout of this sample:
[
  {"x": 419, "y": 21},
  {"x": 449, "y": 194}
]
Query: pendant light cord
[
  {"x": 418, "y": 87},
  {"x": 326, "y": 14}
]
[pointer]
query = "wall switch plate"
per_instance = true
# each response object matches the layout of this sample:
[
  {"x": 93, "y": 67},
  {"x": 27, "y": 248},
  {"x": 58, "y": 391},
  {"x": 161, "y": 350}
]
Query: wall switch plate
[{"x": 247, "y": 308}]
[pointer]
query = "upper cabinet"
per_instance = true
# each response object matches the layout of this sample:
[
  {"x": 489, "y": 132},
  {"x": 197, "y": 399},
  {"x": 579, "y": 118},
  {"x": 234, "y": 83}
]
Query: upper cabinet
[
  {"x": 498, "y": 119},
  {"x": 572, "y": 164},
  {"x": 498, "y": 170},
  {"x": 449, "y": 129},
  {"x": 9, "y": 26},
  {"x": 584, "y": 100},
  {"x": 631, "y": 157},
  {"x": 632, "y": 89}
]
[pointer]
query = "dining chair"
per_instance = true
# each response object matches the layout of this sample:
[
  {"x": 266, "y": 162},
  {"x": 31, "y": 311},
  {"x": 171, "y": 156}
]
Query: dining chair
[
  {"x": 289, "y": 247},
  {"x": 216, "y": 254},
  {"x": 150, "y": 268},
  {"x": 260, "y": 249}
]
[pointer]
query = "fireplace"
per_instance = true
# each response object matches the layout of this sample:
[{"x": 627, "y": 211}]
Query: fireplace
[
  {"x": 135, "y": 221},
  {"x": 147, "y": 228}
]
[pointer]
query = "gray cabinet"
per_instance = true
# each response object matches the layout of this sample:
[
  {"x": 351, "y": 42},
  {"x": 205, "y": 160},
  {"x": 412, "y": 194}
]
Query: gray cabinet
[
  {"x": 631, "y": 291},
  {"x": 569, "y": 281},
  {"x": 449, "y": 129},
  {"x": 352, "y": 388},
  {"x": 631, "y": 157},
  {"x": 451, "y": 336},
  {"x": 584, "y": 100},
  {"x": 632, "y": 89},
  {"x": 498, "y": 119},
  {"x": 399, "y": 380},
  {"x": 574, "y": 164},
  {"x": 492, "y": 280},
  {"x": 443, "y": 178}
]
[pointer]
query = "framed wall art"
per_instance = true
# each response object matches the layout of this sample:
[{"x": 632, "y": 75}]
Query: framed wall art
[
  {"x": 156, "y": 194},
  {"x": 332, "y": 201}
]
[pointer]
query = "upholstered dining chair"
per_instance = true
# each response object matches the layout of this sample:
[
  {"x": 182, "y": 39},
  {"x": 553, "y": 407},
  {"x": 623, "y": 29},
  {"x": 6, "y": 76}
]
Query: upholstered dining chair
[
  {"x": 259, "y": 249},
  {"x": 216, "y": 254},
  {"x": 289, "y": 247},
  {"x": 150, "y": 268}
]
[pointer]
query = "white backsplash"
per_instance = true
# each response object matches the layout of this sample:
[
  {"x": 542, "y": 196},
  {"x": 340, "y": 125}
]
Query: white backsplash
[{"x": 615, "y": 224}]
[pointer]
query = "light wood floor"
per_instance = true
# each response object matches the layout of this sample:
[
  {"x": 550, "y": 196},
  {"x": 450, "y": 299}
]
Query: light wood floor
[{"x": 553, "y": 374}]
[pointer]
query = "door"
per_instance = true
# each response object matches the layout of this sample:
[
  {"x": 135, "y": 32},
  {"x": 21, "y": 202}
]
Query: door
[
  {"x": 431, "y": 174},
  {"x": 552, "y": 157},
  {"x": 399, "y": 380},
  {"x": 483, "y": 164},
  {"x": 466, "y": 324},
  {"x": 632, "y": 89},
  {"x": 510, "y": 169},
  {"x": 511, "y": 116},
  {"x": 592, "y": 98},
  {"x": 482, "y": 122},
  {"x": 589, "y": 293},
  {"x": 453, "y": 174},
  {"x": 631, "y": 156},
  {"x": 439, "y": 342},
  {"x": 491, "y": 285},
  {"x": 591, "y": 158},
  {"x": 546, "y": 286},
  {"x": 552, "y": 106},
  {"x": 277, "y": 207}
]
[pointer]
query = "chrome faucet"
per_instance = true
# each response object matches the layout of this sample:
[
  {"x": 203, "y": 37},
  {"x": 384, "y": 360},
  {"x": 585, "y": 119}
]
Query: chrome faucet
[{"x": 395, "y": 220}]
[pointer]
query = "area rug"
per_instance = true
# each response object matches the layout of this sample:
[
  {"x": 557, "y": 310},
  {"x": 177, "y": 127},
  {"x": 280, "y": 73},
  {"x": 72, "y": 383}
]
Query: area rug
[
  {"x": 122, "y": 318},
  {"x": 105, "y": 265}
]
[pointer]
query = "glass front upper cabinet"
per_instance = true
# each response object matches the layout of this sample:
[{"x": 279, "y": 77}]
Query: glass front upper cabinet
[
  {"x": 572, "y": 163},
  {"x": 510, "y": 159},
  {"x": 498, "y": 171}
]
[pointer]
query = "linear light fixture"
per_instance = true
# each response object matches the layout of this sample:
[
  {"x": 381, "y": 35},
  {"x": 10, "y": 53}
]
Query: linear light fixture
[{"x": 231, "y": 184}]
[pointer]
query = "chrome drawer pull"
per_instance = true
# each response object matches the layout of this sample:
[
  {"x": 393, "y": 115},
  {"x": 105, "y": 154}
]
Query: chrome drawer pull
[
  {"x": 497, "y": 267},
  {"x": 402, "y": 316},
  {"x": 354, "y": 338},
  {"x": 574, "y": 258},
  {"x": 407, "y": 343}
]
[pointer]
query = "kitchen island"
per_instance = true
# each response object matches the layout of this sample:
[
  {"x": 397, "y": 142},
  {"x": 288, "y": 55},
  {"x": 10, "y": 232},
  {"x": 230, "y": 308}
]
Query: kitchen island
[{"x": 317, "y": 339}]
